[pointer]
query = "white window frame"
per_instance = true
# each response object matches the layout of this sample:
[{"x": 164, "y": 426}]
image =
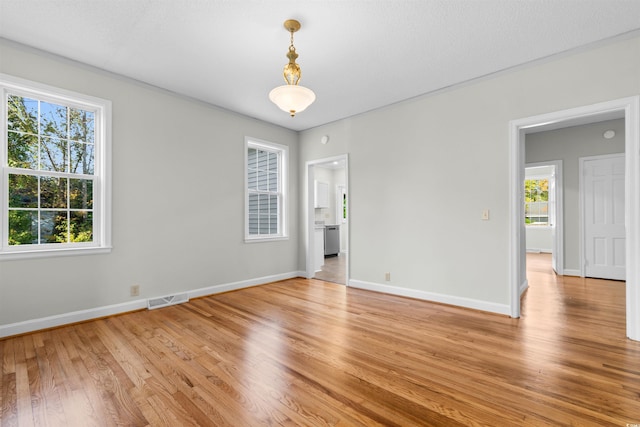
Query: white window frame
[
  {"x": 550, "y": 219},
  {"x": 102, "y": 170},
  {"x": 283, "y": 185}
]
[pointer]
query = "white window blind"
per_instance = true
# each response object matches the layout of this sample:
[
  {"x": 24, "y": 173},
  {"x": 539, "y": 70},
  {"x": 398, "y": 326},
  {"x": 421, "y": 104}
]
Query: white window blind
[{"x": 265, "y": 201}]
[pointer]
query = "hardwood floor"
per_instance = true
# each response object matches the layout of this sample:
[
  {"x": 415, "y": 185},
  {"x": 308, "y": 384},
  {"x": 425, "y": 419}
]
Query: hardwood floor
[{"x": 312, "y": 353}]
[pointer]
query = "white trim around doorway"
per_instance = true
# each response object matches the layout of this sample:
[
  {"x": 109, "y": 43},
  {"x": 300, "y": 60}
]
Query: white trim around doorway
[
  {"x": 629, "y": 108},
  {"x": 310, "y": 217}
]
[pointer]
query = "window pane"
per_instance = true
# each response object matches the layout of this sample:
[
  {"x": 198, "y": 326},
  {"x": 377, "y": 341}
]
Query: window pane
[
  {"x": 53, "y": 192},
  {"x": 53, "y": 154},
  {"x": 22, "y": 114},
  {"x": 81, "y": 226},
  {"x": 264, "y": 224},
  {"x": 536, "y": 190},
  {"x": 273, "y": 181},
  {"x": 252, "y": 179},
  {"x": 254, "y": 200},
  {"x": 273, "y": 162},
  {"x": 252, "y": 155},
  {"x": 263, "y": 160},
  {"x": 263, "y": 180},
  {"x": 264, "y": 203},
  {"x": 81, "y": 125},
  {"x": 23, "y": 191},
  {"x": 80, "y": 194},
  {"x": 81, "y": 157},
  {"x": 534, "y": 208},
  {"x": 253, "y": 224},
  {"x": 53, "y": 120},
  {"x": 22, "y": 150},
  {"x": 53, "y": 227},
  {"x": 23, "y": 227}
]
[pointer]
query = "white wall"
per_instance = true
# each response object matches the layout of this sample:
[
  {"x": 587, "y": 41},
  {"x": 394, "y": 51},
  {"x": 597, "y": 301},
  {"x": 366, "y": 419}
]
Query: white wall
[
  {"x": 539, "y": 239},
  {"x": 178, "y": 200},
  {"x": 568, "y": 145},
  {"x": 416, "y": 165}
]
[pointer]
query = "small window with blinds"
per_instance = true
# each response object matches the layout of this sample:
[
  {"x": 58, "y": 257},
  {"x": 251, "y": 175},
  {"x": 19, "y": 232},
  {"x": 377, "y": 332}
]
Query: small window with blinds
[{"x": 265, "y": 195}]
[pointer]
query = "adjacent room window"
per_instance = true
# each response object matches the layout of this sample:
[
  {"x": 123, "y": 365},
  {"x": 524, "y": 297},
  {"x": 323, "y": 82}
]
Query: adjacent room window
[
  {"x": 54, "y": 171},
  {"x": 265, "y": 202},
  {"x": 536, "y": 198}
]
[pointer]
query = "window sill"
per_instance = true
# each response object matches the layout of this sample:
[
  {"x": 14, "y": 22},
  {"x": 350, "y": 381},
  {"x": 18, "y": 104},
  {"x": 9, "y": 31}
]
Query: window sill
[
  {"x": 265, "y": 239},
  {"x": 50, "y": 253}
]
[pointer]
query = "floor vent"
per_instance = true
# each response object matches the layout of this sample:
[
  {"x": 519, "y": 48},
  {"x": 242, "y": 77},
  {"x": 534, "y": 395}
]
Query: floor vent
[{"x": 167, "y": 301}]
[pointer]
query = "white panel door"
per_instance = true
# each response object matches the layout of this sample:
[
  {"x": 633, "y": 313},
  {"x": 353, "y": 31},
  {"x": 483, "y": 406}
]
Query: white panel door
[{"x": 604, "y": 230}]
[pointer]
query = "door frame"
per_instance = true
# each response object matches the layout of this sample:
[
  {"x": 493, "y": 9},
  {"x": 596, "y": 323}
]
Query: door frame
[
  {"x": 581, "y": 203},
  {"x": 310, "y": 212},
  {"x": 629, "y": 108},
  {"x": 558, "y": 241}
]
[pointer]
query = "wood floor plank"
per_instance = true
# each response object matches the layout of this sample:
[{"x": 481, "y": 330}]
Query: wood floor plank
[{"x": 311, "y": 353}]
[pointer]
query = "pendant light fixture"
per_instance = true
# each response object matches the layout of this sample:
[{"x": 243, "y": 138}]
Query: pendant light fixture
[{"x": 292, "y": 97}]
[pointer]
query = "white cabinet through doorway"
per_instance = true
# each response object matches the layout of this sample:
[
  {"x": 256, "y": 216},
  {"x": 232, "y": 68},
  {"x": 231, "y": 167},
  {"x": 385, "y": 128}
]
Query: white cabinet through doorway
[{"x": 321, "y": 197}]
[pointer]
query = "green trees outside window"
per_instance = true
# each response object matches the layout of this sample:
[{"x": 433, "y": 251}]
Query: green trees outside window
[
  {"x": 50, "y": 159},
  {"x": 536, "y": 202}
]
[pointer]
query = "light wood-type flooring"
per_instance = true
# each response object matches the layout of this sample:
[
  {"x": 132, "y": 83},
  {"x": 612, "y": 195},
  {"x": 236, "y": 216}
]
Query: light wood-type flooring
[{"x": 312, "y": 353}]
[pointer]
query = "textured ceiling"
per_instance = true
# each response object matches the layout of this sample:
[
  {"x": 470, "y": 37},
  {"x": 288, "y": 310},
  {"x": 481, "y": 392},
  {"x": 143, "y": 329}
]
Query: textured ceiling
[{"x": 357, "y": 55}]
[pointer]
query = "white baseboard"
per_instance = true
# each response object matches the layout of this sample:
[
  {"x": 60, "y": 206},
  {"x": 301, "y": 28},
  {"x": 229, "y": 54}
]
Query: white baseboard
[
  {"x": 570, "y": 272},
  {"x": 233, "y": 286},
  {"x": 434, "y": 297},
  {"x": 67, "y": 318},
  {"x": 110, "y": 310}
]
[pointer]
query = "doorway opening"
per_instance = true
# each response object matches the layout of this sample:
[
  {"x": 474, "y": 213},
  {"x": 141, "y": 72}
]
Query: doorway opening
[
  {"x": 328, "y": 220},
  {"x": 627, "y": 108},
  {"x": 544, "y": 211}
]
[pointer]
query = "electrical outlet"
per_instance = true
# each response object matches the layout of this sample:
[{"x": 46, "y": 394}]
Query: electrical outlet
[
  {"x": 387, "y": 276},
  {"x": 135, "y": 290}
]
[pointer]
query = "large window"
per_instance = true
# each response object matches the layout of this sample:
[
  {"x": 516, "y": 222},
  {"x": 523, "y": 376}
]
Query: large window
[
  {"x": 265, "y": 205},
  {"x": 54, "y": 160},
  {"x": 536, "y": 202}
]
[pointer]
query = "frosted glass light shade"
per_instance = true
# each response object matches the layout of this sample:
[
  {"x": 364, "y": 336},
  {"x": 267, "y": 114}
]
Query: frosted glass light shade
[{"x": 292, "y": 98}]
